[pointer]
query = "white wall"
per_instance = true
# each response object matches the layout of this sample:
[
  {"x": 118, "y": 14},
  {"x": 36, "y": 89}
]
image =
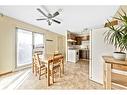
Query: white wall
[{"x": 98, "y": 49}]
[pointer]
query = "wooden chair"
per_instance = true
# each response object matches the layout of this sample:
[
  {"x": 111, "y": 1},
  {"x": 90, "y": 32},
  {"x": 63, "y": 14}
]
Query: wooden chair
[
  {"x": 56, "y": 53},
  {"x": 38, "y": 67},
  {"x": 56, "y": 66}
]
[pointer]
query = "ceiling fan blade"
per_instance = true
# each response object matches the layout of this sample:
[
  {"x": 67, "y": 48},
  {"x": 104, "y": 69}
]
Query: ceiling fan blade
[
  {"x": 42, "y": 19},
  {"x": 56, "y": 21},
  {"x": 56, "y": 14},
  {"x": 45, "y": 8},
  {"x": 59, "y": 19},
  {"x": 42, "y": 12}
]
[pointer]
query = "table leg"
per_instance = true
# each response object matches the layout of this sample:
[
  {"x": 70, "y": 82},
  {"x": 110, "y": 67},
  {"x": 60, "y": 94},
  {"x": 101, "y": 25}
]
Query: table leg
[
  {"x": 63, "y": 66},
  {"x": 48, "y": 74},
  {"x": 108, "y": 71}
]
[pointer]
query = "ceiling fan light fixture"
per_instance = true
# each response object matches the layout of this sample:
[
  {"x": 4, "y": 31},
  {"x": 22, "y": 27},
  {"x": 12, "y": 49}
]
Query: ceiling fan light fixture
[
  {"x": 49, "y": 22},
  {"x": 50, "y": 17}
]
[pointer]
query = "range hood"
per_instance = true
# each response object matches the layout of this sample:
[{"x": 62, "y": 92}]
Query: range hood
[{"x": 71, "y": 40}]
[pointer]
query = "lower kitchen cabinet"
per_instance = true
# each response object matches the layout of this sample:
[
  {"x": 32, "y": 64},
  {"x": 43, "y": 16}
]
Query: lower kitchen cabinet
[
  {"x": 73, "y": 55},
  {"x": 84, "y": 54}
]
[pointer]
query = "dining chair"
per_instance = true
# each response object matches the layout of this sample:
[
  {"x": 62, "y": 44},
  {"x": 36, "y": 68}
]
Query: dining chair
[
  {"x": 56, "y": 66},
  {"x": 38, "y": 67}
]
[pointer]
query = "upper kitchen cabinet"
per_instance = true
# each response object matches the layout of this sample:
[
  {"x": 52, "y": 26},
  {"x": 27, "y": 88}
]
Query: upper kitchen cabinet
[
  {"x": 70, "y": 36},
  {"x": 86, "y": 38},
  {"x": 78, "y": 40}
]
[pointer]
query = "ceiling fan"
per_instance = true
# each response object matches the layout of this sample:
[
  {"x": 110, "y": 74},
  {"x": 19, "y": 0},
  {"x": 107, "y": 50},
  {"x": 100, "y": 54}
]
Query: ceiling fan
[{"x": 49, "y": 17}]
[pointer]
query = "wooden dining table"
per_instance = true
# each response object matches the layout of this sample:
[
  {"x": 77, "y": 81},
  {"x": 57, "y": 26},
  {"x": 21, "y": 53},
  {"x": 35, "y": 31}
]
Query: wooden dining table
[{"x": 48, "y": 59}]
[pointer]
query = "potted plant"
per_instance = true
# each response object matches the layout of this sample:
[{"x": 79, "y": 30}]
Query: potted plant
[{"x": 117, "y": 36}]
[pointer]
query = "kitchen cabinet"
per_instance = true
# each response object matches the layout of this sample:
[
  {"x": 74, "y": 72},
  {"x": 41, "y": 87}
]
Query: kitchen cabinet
[
  {"x": 70, "y": 36},
  {"x": 86, "y": 38},
  {"x": 78, "y": 40},
  {"x": 73, "y": 55},
  {"x": 84, "y": 54}
]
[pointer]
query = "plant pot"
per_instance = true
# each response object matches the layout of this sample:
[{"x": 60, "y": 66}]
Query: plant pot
[{"x": 119, "y": 55}]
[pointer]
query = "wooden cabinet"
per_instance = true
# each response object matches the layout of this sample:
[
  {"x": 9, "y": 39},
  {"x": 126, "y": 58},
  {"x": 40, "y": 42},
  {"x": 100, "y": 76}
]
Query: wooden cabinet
[
  {"x": 70, "y": 36},
  {"x": 84, "y": 54},
  {"x": 78, "y": 40},
  {"x": 119, "y": 67},
  {"x": 86, "y": 38},
  {"x": 113, "y": 77}
]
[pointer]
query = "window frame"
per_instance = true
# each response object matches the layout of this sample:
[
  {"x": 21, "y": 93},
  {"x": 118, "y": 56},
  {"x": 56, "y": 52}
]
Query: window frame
[{"x": 16, "y": 40}]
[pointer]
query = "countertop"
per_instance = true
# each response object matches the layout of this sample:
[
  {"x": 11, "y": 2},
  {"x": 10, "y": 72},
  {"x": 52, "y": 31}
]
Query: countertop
[
  {"x": 84, "y": 49},
  {"x": 111, "y": 60}
]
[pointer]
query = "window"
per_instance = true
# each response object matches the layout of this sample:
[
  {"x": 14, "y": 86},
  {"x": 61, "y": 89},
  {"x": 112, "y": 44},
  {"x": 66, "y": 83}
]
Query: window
[
  {"x": 24, "y": 47},
  {"x": 38, "y": 43},
  {"x": 27, "y": 42}
]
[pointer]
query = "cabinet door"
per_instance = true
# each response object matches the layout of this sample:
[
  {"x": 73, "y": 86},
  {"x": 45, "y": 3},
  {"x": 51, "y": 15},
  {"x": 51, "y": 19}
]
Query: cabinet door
[
  {"x": 79, "y": 40},
  {"x": 73, "y": 36},
  {"x": 86, "y": 38},
  {"x": 80, "y": 54},
  {"x": 83, "y": 54},
  {"x": 87, "y": 54}
]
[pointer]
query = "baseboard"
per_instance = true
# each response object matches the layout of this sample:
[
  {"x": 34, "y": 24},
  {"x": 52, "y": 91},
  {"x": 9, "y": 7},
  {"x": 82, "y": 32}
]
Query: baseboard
[
  {"x": 95, "y": 80},
  {"x": 17, "y": 69},
  {"x": 1, "y": 74},
  {"x": 23, "y": 67}
]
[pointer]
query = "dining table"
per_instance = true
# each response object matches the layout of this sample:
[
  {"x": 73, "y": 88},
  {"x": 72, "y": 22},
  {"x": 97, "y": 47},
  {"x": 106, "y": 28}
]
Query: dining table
[{"x": 47, "y": 60}]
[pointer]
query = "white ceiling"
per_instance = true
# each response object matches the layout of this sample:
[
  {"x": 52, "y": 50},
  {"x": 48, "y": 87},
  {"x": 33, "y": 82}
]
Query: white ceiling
[{"x": 74, "y": 18}]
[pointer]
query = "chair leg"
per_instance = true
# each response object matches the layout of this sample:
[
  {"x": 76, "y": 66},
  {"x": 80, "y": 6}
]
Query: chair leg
[
  {"x": 39, "y": 71},
  {"x": 60, "y": 72},
  {"x": 36, "y": 70},
  {"x": 52, "y": 75},
  {"x": 33, "y": 68},
  {"x": 46, "y": 73}
]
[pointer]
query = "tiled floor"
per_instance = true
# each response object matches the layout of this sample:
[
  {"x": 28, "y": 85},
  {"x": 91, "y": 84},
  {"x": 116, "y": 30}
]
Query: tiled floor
[{"x": 75, "y": 77}]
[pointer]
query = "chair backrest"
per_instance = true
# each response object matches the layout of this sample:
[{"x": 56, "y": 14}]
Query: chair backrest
[
  {"x": 36, "y": 59},
  {"x": 57, "y": 53},
  {"x": 57, "y": 59}
]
